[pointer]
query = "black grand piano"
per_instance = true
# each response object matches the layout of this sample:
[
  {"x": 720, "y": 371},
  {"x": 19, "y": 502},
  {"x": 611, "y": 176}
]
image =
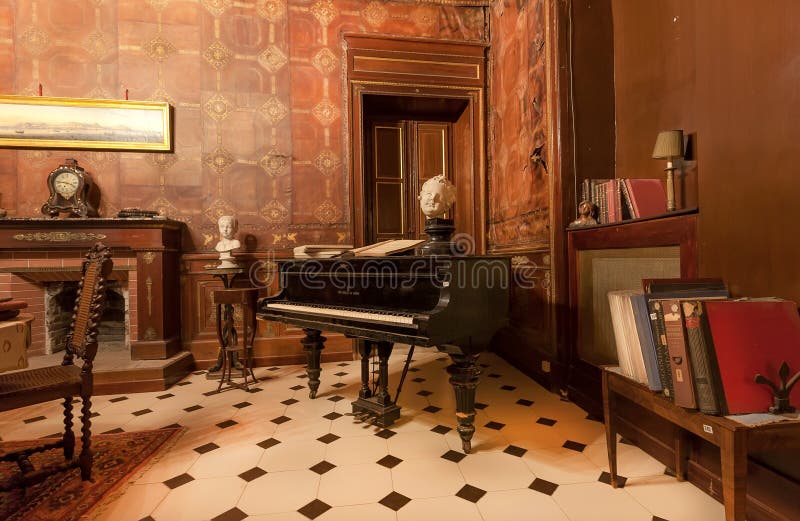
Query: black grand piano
[{"x": 453, "y": 303}]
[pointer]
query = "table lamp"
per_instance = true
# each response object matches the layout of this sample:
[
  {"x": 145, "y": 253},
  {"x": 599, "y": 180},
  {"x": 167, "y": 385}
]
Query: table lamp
[{"x": 669, "y": 145}]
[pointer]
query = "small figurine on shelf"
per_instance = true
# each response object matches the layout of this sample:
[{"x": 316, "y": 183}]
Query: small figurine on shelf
[
  {"x": 228, "y": 226},
  {"x": 587, "y": 215}
]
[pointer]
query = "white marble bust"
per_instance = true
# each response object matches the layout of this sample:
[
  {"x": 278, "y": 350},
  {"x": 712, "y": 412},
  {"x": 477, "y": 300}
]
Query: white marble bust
[
  {"x": 436, "y": 196},
  {"x": 228, "y": 226}
]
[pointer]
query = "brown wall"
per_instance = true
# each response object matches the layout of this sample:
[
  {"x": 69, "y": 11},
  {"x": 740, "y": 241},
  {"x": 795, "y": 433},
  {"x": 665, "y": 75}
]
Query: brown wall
[
  {"x": 726, "y": 71},
  {"x": 257, "y": 92}
]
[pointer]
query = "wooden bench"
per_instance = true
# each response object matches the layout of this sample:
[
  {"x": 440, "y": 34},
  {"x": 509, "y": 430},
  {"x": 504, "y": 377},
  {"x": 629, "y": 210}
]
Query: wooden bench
[{"x": 735, "y": 440}]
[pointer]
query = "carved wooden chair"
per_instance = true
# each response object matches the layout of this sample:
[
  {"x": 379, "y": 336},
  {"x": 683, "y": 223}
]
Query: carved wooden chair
[{"x": 65, "y": 381}]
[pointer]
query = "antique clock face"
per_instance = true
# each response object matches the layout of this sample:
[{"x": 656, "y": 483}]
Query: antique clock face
[
  {"x": 66, "y": 183},
  {"x": 70, "y": 191}
]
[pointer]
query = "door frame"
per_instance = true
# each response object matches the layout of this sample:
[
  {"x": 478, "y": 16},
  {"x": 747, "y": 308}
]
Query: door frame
[{"x": 417, "y": 67}]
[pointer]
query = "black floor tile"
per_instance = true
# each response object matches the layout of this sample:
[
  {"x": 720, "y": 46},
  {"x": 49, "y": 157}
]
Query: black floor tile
[
  {"x": 242, "y": 405},
  {"x": 269, "y": 442},
  {"x": 193, "y": 408},
  {"x": 424, "y": 393},
  {"x": 208, "y": 447},
  {"x": 574, "y": 445},
  {"x": 385, "y": 433},
  {"x": 453, "y": 456},
  {"x": 141, "y": 412},
  {"x": 481, "y": 406},
  {"x": 507, "y": 387},
  {"x": 314, "y": 509},
  {"x": 226, "y": 424},
  {"x": 515, "y": 451},
  {"x": 233, "y": 514},
  {"x": 333, "y": 416},
  {"x": 470, "y": 493},
  {"x": 605, "y": 477},
  {"x": 165, "y": 396},
  {"x": 389, "y": 461},
  {"x": 432, "y": 409},
  {"x": 113, "y": 431},
  {"x": 441, "y": 429},
  {"x": 297, "y": 387},
  {"x": 118, "y": 399},
  {"x": 254, "y": 473},
  {"x": 523, "y": 401},
  {"x": 495, "y": 425},
  {"x": 34, "y": 419},
  {"x": 280, "y": 419},
  {"x": 328, "y": 438},
  {"x": 290, "y": 401},
  {"x": 394, "y": 501},
  {"x": 339, "y": 385},
  {"x": 546, "y": 421},
  {"x": 177, "y": 481},
  {"x": 336, "y": 398},
  {"x": 322, "y": 467},
  {"x": 542, "y": 485}
]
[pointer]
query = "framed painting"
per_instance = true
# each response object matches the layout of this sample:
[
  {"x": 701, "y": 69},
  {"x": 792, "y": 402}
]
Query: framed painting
[{"x": 77, "y": 123}]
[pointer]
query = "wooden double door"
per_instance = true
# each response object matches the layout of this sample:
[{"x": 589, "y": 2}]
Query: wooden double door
[{"x": 400, "y": 155}]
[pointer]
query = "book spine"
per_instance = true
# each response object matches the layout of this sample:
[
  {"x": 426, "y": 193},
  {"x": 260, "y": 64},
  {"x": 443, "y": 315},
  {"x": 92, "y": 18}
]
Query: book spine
[
  {"x": 632, "y": 196},
  {"x": 660, "y": 341},
  {"x": 586, "y": 191},
  {"x": 678, "y": 356},
  {"x": 644, "y": 336},
  {"x": 626, "y": 199},
  {"x": 701, "y": 353}
]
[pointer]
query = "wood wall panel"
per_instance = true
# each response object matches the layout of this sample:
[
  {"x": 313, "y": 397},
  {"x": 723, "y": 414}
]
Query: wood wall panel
[
  {"x": 519, "y": 195},
  {"x": 257, "y": 91}
]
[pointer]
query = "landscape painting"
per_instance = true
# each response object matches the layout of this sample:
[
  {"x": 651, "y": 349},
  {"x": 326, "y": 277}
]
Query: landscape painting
[{"x": 45, "y": 122}]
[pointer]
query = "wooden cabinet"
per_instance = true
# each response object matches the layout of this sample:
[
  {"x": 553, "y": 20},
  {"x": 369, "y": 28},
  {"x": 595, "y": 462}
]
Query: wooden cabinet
[{"x": 612, "y": 257}]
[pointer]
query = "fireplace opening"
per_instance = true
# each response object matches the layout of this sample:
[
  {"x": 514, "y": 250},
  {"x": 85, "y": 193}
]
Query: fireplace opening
[{"x": 59, "y": 304}]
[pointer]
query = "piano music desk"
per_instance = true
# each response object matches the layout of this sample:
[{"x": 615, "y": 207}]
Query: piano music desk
[{"x": 735, "y": 440}]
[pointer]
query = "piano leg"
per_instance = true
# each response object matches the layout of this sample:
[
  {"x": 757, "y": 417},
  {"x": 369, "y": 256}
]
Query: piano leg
[
  {"x": 365, "y": 350},
  {"x": 313, "y": 344},
  {"x": 464, "y": 378}
]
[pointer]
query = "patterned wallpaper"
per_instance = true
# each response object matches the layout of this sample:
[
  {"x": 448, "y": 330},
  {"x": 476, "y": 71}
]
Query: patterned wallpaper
[
  {"x": 518, "y": 188},
  {"x": 257, "y": 91}
]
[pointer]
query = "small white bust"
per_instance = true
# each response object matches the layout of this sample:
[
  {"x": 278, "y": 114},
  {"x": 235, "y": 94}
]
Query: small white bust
[
  {"x": 436, "y": 196},
  {"x": 228, "y": 226}
]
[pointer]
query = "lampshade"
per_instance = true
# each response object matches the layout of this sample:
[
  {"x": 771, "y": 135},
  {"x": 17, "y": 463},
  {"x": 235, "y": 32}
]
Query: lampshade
[{"x": 669, "y": 144}]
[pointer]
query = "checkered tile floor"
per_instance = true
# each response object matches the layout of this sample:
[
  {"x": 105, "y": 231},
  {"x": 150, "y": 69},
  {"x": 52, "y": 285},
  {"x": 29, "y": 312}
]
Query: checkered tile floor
[{"x": 276, "y": 455}]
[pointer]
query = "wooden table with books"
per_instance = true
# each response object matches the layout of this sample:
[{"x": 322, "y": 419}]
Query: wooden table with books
[{"x": 734, "y": 439}]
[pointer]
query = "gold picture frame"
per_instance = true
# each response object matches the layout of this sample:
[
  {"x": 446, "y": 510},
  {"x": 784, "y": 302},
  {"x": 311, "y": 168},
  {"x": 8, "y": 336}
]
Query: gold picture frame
[{"x": 78, "y": 123}]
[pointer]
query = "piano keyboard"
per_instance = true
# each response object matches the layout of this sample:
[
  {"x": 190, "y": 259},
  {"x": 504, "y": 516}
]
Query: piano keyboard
[{"x": 387, "y": 317}]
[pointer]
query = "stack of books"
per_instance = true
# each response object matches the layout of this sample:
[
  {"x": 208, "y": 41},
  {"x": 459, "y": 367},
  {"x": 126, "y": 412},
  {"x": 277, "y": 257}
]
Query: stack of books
[
  {"x": 622, "y": 199},
  {"x": 688, "y": 340}
]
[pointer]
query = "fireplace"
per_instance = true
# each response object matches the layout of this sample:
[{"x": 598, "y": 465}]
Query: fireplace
[
  {"x": 59, "y": 302},
  {"x": 146, "y": 261}
]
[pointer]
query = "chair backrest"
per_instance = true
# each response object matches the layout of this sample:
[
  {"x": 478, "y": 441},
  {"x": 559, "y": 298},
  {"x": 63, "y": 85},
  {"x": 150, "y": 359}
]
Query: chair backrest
[{"x": 82, "y": 338}]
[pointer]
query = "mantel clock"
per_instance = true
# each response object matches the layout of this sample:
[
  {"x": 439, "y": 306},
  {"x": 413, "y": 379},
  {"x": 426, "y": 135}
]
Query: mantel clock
[{"x": 71, "y": 190}]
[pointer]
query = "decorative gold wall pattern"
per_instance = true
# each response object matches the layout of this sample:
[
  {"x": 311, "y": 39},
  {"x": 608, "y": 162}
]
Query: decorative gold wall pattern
[
  {"x": 257, "y": 91},
  {"x": 519, "y": 192}
]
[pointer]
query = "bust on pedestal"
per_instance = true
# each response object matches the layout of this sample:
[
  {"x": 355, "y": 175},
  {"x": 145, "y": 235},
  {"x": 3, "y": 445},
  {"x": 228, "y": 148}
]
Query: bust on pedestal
[
  {"x": 228, "y": 226},
  {"x": 435, "y": 198}
]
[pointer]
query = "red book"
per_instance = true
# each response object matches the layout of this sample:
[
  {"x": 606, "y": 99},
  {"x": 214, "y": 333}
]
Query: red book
[
  {"x": 754, "y": 336},
  {"x": 647, "y": 197}
]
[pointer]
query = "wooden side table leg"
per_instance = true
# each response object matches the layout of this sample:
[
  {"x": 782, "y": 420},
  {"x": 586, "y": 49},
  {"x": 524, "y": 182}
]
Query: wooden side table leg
[
  {"x": 733, "y": 456},
  {"x": 681, "y": 453},
  {"x": 611, "y": 430}
]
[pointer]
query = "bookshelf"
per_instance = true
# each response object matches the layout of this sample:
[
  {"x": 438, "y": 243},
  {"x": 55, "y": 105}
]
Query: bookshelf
[{"x": 613, "y": 257}]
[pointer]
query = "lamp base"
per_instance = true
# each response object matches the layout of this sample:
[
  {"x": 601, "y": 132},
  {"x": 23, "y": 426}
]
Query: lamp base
[{"x": 670, "y": 187}]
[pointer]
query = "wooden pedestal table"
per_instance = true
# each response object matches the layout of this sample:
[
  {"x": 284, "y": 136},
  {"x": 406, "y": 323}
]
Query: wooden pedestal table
[{"x": 734, "y": 439}]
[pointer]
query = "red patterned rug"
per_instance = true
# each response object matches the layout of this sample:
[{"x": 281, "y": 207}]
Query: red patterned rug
[{"x": 118, "y": 459}]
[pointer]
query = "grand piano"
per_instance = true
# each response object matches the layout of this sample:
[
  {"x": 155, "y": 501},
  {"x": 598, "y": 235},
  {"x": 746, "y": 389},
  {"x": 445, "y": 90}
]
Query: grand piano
[{"x": 455, "y": 304}]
